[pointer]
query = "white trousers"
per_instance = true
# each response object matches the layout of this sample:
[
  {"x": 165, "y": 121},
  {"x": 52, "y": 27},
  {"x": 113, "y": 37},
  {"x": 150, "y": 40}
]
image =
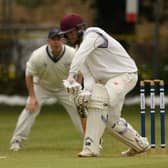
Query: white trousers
[
  {"x": 27, "y": 119},
  {"x": 99, "y": 119},
  {"x": 117, "y": 88}
]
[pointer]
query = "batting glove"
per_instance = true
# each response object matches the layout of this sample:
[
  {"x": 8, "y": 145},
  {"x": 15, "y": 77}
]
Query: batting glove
[
  {"x": 71, "y": 86},
  {"x": 82, "y": 98}
]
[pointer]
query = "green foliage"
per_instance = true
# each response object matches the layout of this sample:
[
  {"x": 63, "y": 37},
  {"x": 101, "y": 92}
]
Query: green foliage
[
  {"x": 145, "y": 71},
  {"x": 164, "y": 72},
  {"x": 30, "y": 3},
  {"x": 13, "y": 86},
  {"x": 164, "y": 69}
]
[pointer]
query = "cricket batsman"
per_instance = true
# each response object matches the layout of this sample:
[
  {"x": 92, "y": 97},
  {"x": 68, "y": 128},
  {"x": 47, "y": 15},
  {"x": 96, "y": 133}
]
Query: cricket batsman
[{"x": 109, "y": 74}]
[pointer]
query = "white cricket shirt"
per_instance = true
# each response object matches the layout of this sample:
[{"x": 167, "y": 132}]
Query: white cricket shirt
[
  {"x": 49, "y": 73},
  {"x": 102, "y": 55}
]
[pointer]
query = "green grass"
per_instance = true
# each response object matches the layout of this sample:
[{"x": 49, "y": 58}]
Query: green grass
[{"x": 54, "y": 142}]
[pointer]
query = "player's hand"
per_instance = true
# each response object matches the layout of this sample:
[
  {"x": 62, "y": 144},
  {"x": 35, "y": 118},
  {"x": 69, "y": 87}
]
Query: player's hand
[
  {"x": 82, "y": 98},
  {"x": 31, "y": 104},
  {"x": 71, "y": 86}
]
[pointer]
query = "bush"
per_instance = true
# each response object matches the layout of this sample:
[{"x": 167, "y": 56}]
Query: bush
[{"x": 30, "y": 3}]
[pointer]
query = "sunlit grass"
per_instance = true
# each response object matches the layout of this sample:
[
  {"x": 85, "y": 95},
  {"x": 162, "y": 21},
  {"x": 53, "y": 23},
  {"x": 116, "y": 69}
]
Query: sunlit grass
[{"x": 54, "y": 142}]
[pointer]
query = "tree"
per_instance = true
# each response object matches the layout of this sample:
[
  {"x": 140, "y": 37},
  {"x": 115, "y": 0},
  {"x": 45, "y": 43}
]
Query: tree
[{"x": 111, "y": 17}]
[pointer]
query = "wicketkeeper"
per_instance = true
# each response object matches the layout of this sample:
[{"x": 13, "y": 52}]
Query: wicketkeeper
[
  {"x": 47, "y": 67},
  {"x": 109, "y": 74}
]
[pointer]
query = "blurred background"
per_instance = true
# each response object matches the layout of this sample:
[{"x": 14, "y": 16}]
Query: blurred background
[{"x": 140, "y": 25}]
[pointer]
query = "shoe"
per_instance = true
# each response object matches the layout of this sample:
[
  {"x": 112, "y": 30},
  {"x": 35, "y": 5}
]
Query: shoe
[
  {"x": 15, "y": 146},
  {"x": 133, "y": 152},
  {"x": 87, "y": 153},
  {"x": 100, "y": 147},
  {"x": 100, "y": 144}
]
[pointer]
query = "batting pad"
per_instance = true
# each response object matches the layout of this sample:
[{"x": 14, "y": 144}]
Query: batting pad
[
  {"x": 96, "y": 119},
  {"x": 96, "y": 124},
  {"x": 124, "y": 132}
]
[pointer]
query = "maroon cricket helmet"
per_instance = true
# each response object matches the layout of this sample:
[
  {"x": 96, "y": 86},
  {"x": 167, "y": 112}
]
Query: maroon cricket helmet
[{"x": 70, "y": 22}]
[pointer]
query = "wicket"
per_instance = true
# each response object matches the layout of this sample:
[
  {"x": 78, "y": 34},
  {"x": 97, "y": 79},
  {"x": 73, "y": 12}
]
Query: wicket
[{"x": 152, "y": 84}]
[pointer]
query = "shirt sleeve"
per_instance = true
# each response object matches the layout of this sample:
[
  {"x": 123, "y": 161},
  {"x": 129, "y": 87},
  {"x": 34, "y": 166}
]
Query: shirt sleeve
[
  {"x": 90, "y": 41},
  {"x": 86, "y": 48},
  {"x": 33, "y": 65},
  {"x": 89, "y": 80}
]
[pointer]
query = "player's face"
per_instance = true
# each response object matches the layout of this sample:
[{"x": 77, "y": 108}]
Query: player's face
[
  {"x": 56, "y": 44},
  {"x": 72, "y": 36}
]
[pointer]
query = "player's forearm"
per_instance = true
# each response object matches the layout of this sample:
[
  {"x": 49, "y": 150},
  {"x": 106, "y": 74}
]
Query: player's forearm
[{"x": 29, "y": 84}]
